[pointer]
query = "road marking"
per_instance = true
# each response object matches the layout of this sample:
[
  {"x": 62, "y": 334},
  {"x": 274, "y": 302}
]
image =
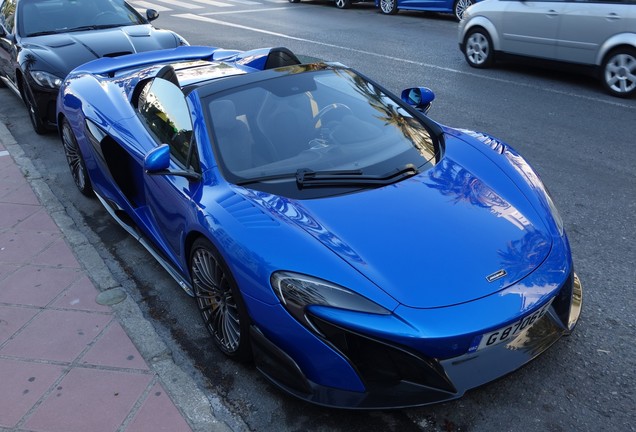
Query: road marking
[
  {"x": 396, "y": 59},
  {"x": 246, "y": 2},
  {"x": 147, "y": 5},
  {"x": 238, "y": 11},
  {"x": 4, "y": 153},
  {"x": 213, "y": 3},
  {"x": 181, "y": 4}
]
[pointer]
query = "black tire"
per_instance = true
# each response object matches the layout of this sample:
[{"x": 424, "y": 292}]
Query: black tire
[
  {"x": 478, "y": 48},
  {"x": 618, "y": 72},
  {"x": 294, "y": 1},
  {"x": 219, "y": 301},
  {"x": 34, "y": 112},
  {"x": 75, "y": 160},
  {"x": 388, "y": 7},
  {"x": 343, "y": 4},
  {"x": 460, "y": 7}
]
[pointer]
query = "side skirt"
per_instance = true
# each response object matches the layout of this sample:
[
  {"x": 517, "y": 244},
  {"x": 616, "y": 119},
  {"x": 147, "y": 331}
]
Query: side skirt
[{"x": 134, "y": 231}]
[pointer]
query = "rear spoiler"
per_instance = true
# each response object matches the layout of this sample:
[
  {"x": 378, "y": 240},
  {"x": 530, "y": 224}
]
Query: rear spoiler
[{"x": 259, "y": 59}]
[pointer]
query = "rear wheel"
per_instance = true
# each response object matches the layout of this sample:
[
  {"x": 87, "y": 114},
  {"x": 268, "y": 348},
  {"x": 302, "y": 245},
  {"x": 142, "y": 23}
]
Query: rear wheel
[
  {"x": 343, "y": 4},
  {"x": 388, "y": 7},
  {"x": 75, "y": 160},
  {"x": 34, "y": 112},
  {"x": 478, "y": 48},
  {"x": 219, "y": 301},
  {"x": 619, "y": 72},
  {"x": 460, "y": 7}
]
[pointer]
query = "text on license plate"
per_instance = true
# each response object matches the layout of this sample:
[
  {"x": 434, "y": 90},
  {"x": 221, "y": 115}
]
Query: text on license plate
[{"x": 509, "y": 332}]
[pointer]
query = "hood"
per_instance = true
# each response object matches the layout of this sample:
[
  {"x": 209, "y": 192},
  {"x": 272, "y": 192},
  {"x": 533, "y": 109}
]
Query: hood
[
  {"x": 435, "y": 239},
  {"x": 64, "y": 52}
]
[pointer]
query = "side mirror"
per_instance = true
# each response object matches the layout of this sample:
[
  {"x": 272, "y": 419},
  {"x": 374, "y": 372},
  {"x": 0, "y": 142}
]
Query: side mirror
[
  {"x": 151, "y": 14},
  {"x": 420, "y": 98},
  {"x": 157, "y": 161}
]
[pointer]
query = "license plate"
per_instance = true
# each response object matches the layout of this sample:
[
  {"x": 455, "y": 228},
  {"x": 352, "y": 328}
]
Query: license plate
[{"x": 508, "y": 333}]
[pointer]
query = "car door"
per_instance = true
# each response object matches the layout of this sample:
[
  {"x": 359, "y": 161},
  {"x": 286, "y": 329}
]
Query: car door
[
  {"x": 169, "y": 198},
  {"x": 7, "y": 41},
  {"x": 587, "y": 24},
  {"x": 530, "y": 28}
]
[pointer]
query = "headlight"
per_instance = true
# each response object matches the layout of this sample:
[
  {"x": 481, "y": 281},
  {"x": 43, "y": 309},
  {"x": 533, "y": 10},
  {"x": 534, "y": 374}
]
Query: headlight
[
  {"x": 297, "y": 291},
  {"x": 45, "y": 79}
]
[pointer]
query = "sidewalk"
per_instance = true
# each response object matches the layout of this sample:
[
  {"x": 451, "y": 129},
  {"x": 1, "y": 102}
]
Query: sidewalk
[{"x": 66, "y": 362}]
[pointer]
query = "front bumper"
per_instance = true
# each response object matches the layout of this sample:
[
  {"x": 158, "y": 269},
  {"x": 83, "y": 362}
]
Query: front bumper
[{"x": 396, "y": 376}]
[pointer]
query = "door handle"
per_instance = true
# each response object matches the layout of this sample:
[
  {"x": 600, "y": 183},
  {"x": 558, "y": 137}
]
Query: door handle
[
  {"x": 552, "y": 13},
  {"x": 612, "y": 16}
]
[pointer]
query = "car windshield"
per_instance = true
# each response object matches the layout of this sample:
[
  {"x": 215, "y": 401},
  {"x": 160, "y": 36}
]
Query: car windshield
[
  {"x": 328, "y": 125},
  {"x": 40, "y": 17}
]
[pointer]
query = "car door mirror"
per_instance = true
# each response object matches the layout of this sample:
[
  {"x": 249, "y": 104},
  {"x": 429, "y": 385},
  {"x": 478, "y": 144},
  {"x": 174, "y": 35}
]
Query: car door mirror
[
  {"x": 157, "y": 161},
  {"x": 420, "y": 98},
  {"x": 151, "y": 14}
]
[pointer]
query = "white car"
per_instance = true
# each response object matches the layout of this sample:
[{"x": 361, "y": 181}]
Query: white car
[{"x": 599, "y": 35}]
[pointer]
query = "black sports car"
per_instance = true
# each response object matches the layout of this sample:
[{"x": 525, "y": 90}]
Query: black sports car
[{"x": 41, "y": 41}]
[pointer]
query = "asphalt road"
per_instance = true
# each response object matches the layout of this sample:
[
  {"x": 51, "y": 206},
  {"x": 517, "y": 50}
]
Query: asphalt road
[{"x": 580, "y": 140}]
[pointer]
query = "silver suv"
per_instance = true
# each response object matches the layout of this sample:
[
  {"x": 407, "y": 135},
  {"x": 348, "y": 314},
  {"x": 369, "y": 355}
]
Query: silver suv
[{"x": 597, "y": 34}]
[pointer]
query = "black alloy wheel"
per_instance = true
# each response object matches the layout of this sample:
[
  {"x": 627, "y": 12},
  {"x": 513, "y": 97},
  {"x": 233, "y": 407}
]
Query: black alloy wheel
[
  {"x": 34, "y": 112},
  {"x": 75, "y": 160},
  {"x": 219, "y": 301}
]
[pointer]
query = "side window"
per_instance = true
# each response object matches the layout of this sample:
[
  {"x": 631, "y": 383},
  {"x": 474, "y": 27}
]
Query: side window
[
  {"x": 164, "y": 111},
  {"x": 7, "y": 14}
]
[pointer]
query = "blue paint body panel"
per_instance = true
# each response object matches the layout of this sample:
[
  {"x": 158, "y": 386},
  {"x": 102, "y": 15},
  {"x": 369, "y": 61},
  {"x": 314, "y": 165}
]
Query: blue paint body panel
[{"x": 422, "y": 248}]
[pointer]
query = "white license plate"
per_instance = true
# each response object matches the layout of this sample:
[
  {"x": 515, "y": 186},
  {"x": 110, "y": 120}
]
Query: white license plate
[{"x": 508, "y": 333}]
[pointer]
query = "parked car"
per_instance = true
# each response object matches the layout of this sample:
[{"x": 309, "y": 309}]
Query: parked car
[
  {"x": 361, "y": 254},
  {"x": 42, "y": 40},
  {"x": 596, "y": 36},
  {"x": 340, "y": 4},
  {"x": 456, "y": 7}
]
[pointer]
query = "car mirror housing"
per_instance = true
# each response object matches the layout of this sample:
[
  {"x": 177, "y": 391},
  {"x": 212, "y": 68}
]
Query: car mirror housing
[
  {"x": 157, "y": 161},
  {"x": 151, "y": 14},
  {"x": 420, "y": 98}
]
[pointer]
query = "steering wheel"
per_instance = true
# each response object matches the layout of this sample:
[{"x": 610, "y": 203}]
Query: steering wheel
[{"x": 327, "y": 109}]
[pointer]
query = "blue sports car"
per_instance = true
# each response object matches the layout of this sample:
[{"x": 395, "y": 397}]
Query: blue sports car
[{"x": 362, "y": 255}]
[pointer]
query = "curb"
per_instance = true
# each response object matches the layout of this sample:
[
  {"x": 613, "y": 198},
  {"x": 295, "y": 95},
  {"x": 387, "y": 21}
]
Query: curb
[{"x": 196, "y": 407}]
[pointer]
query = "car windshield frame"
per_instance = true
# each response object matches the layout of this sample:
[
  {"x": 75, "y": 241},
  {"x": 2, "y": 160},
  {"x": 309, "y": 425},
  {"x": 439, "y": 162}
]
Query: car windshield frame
[
  {"x": 379, "y": 135},
  {"x": 46, "y": 17}
]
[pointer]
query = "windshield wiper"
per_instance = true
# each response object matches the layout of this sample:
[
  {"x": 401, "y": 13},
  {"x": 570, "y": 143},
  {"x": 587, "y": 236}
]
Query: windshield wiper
[
  {"x": 43, "y": 33},
  {"x": 306, "y": 178},
  {"x": 347, "y": 178},
  {"x": 94, "y": 27}
]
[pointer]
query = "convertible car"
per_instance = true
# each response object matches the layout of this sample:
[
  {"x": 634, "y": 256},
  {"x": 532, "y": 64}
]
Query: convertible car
[{"x": 362, "y": 255}]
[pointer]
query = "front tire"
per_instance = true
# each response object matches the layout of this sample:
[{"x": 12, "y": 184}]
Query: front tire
[
  {"x": 388, "y": 7},
  {"x": 478, "y": 48},
  {"x": 219, "y": 301},
  {"x": 619, "y": 72},
  {"x": 460, "y": 7},
  {"x": 75, "y": 160},
  {"x": 34, "y": 112}
]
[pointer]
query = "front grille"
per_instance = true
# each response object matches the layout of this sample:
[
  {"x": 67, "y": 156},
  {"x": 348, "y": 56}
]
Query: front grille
[
  {"x": 380, "y": 364},
  {"x": 563, "y": 300}
]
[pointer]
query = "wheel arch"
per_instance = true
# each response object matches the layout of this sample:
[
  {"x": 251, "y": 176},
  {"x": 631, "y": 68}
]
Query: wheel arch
[
  {"x": 487, "y": 25},
  {"x": 627, "y": 40}
]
